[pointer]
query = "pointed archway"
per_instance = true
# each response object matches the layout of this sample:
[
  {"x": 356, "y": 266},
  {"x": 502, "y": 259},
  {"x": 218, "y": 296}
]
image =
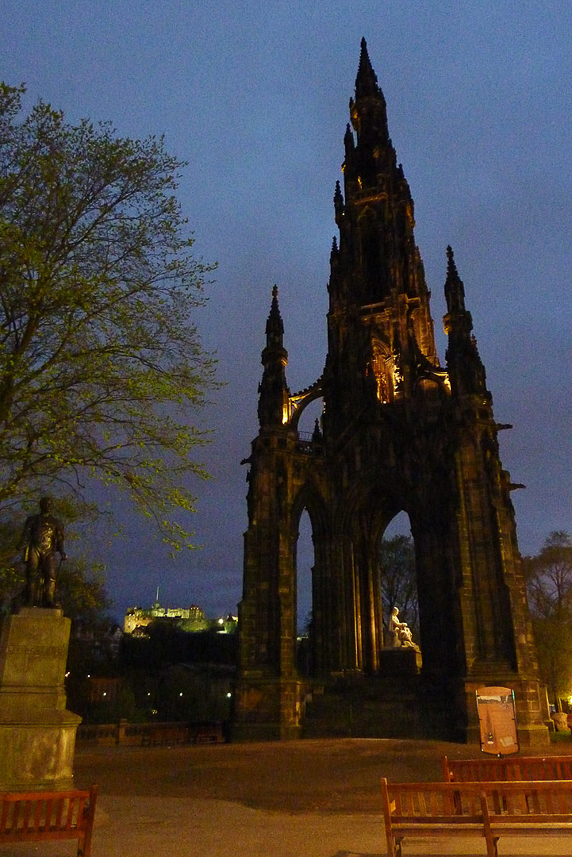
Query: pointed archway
[{"x": 398, "y": 577}]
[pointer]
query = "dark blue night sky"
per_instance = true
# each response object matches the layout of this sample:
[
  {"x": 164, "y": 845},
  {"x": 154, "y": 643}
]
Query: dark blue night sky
[{"x": 254, "y": 95}]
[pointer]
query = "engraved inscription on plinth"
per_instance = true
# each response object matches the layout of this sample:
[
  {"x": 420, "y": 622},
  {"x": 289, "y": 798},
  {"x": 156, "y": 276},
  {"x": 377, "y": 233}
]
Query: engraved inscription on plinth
[{"x": 37, "y": 733}]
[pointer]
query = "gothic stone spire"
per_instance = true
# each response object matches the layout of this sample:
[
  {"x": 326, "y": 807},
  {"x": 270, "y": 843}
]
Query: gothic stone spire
[
  {"x": 273, "y": 390},
  {"x": 466, "y": 369},
  {"x": 376, "y": 272}
]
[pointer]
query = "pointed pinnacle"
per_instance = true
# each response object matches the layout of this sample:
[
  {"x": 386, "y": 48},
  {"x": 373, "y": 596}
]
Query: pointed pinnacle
[
  {"x": 454, "y": 288},
  {"x": 274, "y": 308},
  {"x": 366, "y": 79},
  {"x": 451, "y": 267},
  {"x": 349, "y": 143},
  {"x": 274, "y": 325}
]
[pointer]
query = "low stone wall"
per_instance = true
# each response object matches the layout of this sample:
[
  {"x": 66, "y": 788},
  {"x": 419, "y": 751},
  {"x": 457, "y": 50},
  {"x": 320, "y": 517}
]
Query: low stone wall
[{"x": 150, "y": 734}]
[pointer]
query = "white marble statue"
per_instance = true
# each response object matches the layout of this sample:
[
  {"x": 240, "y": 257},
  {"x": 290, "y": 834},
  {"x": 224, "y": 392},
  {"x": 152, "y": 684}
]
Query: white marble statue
[{"x": 399, "y": 632}]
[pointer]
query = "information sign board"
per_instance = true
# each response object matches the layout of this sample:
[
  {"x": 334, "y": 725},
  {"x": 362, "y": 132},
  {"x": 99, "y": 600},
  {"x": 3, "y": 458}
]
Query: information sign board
[{"x": 497, "y": 719}]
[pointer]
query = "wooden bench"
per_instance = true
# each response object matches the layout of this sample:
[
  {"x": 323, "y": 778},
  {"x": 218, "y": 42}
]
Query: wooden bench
[
  {"x": 507, "y": 768},
  {"x": 479, "y": 809},
  {"x": 431, "y": 809},
  {"x": 35, "y": 816}
]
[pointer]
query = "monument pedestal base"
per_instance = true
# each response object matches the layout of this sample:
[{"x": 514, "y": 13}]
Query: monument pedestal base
[
  {"x": 37, "y": 733},
  {"x": 268, "y": 709},
  {"x": 399, "y": 661}
]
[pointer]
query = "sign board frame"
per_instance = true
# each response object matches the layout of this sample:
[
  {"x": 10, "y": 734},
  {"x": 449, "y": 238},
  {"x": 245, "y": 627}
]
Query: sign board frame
[{"x": 497, "y": 720}]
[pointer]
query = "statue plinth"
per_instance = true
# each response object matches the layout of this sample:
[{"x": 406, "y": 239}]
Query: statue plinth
[
  {"x": 37, "y": 733},
  {"x": 399, "y": 661}
]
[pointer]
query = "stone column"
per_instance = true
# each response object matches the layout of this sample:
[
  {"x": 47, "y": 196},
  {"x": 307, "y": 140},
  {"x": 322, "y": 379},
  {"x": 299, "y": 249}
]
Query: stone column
[{"x": 37, "y": 733}]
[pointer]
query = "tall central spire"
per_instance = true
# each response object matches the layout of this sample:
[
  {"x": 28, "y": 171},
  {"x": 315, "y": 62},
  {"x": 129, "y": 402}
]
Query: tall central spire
[
  {"x": 376, "y": 274},
  {"x": 376, "y": 220}
]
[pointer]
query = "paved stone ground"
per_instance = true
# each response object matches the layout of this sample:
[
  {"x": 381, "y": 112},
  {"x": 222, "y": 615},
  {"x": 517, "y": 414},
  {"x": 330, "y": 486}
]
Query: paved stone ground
[
  {"x": 295, "y": 776},
  {"x": 316, "y": 798}
]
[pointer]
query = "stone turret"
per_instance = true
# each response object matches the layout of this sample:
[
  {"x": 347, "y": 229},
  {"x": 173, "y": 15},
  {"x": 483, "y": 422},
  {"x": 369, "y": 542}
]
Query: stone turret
[
  {"x": 466, "y": 370},
  {"x": 273, "y": 390}
]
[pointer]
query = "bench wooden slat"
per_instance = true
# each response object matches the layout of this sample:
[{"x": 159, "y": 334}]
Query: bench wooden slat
[
  {"x": 60, "y": 807},
  {"x": 70, "y": 814},
  {"x": 37, "y": 814},
  {"x": 561, "y": 823},
  {"x": 27, "y": 813},
  {"x": 4, "y": 817}
]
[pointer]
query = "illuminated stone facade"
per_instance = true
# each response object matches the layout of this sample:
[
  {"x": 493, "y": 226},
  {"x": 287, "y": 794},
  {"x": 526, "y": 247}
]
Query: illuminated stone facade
[
  {"x": 186, "y": 618},
  {"x": 399, "y": 432},
  {"x": 136, "y": 617}
]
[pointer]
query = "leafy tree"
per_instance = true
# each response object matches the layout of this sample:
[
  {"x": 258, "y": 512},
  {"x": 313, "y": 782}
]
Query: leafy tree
[
  {"x": 549, "y": 585},
  {"x": 100, "y": 361},
  {"x": 398, "y": 581},
  {"x": 81, "y": 593},
  {"x": 11, "y": 566}
]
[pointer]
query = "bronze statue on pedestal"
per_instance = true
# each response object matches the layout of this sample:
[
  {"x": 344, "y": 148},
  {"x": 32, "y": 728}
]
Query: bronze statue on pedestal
[{"x": 42, "y": 537}]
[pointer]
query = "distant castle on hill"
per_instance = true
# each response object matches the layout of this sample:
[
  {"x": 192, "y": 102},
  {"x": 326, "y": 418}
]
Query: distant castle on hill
[{"x": 191, "y": 619}]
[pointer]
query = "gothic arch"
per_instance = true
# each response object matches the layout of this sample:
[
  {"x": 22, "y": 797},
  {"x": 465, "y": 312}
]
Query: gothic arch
[
  {"x": 300, "y": 401},
  {"x": 367, "y": 498},
  {"x": 308, "y": 497}
]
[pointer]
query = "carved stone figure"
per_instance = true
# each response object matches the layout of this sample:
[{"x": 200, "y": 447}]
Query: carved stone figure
[
  {"x": 42, "y": 537},
  {"x": 399, "y": 632}
]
